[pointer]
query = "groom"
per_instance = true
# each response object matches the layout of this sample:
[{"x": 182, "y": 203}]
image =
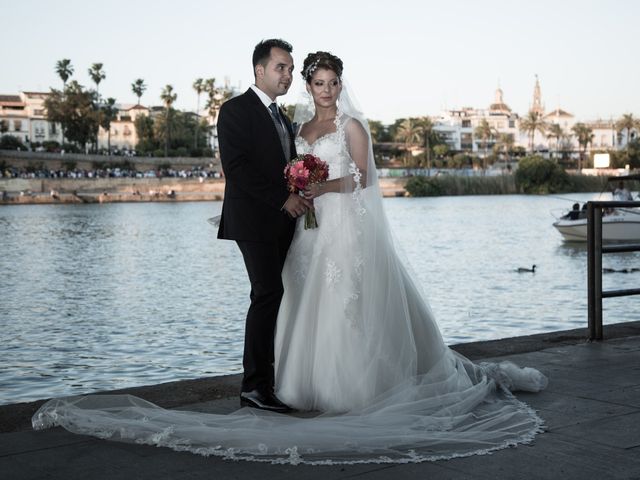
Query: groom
[{"x": 256, "y": 141}]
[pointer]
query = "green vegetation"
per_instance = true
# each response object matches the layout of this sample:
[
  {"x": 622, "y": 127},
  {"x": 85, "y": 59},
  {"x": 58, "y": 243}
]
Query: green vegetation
[
  {"x": 454, "y": 185},
  {"x": 10, "y": 142},
  {"x": 76, "y": 109},
  {"x": 538, "y": 175},
  {"x": 535, "y": 175},
  {"x": 154, "y": 139}
]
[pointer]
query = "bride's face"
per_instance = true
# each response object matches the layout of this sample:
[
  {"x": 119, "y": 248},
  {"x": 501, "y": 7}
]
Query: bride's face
[{"x": 325, "y": 87}]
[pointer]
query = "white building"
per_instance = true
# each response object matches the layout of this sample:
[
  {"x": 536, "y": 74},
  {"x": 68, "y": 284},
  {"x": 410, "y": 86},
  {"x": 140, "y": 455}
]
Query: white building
[
  {"x": 123, "y": 130},
  {"x": 24, "y": 116},
  {"x": 457, "y": 127}
]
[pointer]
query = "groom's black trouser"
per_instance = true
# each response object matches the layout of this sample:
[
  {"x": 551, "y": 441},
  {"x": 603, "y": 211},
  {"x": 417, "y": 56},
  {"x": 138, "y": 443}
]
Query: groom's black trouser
[{"x": 264, "y": 262}]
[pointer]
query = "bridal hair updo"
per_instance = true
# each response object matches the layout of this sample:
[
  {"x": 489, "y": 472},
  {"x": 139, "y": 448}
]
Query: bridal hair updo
[{"x": 317, "y": 60}]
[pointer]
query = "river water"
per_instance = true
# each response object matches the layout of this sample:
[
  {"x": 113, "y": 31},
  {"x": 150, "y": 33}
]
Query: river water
[{"x": 104, "y": 296}]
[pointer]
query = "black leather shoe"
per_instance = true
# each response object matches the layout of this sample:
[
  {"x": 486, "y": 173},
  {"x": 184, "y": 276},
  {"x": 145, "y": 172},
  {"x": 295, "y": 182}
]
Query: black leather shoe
[{"x": 263, "y": 401}]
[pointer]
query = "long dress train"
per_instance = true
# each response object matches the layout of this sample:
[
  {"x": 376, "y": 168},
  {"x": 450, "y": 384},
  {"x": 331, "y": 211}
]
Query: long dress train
[{"x": 356, "y": 340}]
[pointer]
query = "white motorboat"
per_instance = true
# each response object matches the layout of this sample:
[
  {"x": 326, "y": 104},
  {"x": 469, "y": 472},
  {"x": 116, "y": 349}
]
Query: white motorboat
[{"x": 619, "y": 225}]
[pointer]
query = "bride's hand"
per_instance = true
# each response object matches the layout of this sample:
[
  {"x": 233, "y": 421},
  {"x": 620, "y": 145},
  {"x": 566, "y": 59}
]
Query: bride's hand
[{"x": 314, "y": 190}]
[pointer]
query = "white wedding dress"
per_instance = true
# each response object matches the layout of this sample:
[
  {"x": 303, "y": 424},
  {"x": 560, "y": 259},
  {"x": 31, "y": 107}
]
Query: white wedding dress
[{"x": 355, "y": 340}]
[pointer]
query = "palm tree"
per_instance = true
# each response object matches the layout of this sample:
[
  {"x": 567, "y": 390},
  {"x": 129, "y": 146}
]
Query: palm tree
[
  {"x": 64, "y": 69},
  {"x": 484, "y": 132},
  {"x": 409, "y": 133},
  {"x": 97, "y": 75},
  {"x": 426, "y": 130},
  {"x": 168, "y": 97},
  {"x": 199, "y": 87},
  {"x": 504, "y": 143},
  {"x": 555, "y": 131},
  {"x": 531, "y": 124},
  {"x": 628, "y": 123},
  {"x": 138, "y": 87},
  {"x": 107, "y": 115},
  {"x": 584, "y": 135},
  {"x": 217, "y": 96}
]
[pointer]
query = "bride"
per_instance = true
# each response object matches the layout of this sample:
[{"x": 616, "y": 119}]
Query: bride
[{"x": 356, "y": 339}]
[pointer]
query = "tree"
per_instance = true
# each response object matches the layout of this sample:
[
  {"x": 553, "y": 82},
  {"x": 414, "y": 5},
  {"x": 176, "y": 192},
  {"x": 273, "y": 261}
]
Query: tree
[
  {"x": 409, "y": 133},
  {"x": 379, "y": 133},
  {"x": 108, "y": 113},
  {"x": 425, "y": 125},
  {"x": 64, "y": 69},
  {"x": 199, "y": 87},
  {"x": 538, "y": 175},
  {"x": 138, "y": 87},
  {"x": 217, "y": 96},
  {"x": 147, "y": 142},
  {"x": 584, "y": 135},
  {"x": 628, "y": 123},
  {"x": 76, "y": 110},
  {"x": 555, "y": 131},
  {"x": 485, "y": 133},
  {"x": 97, "y": 75},
  {"x": 168, "y": 97},
  {"x": 531, "y": 124},
  {"x": 440, "y": 151},
  {"x": 504, "y": 144}
]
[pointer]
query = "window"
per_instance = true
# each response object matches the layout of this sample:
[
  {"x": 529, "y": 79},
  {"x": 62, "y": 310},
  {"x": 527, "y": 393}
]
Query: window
[
  {"x": 52, "y": 128},
  {"x": 466, "y": 123},
  {"x": 39, "y": 112},
  {"x": 17, "y": 125}
]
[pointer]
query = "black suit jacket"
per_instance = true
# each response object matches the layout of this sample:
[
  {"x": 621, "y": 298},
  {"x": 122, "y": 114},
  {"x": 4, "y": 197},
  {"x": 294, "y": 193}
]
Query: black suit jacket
[{"x": 253, "y": 163}]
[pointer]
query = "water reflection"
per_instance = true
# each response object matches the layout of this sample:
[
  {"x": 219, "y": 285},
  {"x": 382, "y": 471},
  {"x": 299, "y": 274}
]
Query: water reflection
[{"x": 99, "y": 297}]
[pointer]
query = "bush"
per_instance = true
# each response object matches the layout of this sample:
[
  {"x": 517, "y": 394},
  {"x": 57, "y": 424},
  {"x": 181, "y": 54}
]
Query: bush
[
  {"x": 10, "y": 142},
  {"x": 538, "y": 175},
  {"x": 423, "y": 187},
  {"x": 459, "y": 185},
  {"x": 179, "y": 152}
]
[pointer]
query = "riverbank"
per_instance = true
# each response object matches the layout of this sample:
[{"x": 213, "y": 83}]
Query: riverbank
[
  {"x": 18, "y": 191},
  {"x": 591, "y": 410}
]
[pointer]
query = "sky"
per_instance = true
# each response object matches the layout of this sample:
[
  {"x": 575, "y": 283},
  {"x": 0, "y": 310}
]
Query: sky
[{"x": 402, "y": 57}]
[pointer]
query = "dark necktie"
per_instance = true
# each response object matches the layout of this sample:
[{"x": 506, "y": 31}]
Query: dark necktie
[{"x": 282, "y": 131}]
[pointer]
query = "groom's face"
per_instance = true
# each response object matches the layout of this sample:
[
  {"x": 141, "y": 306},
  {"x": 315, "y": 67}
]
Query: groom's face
[{"x": 275, "y": 77}]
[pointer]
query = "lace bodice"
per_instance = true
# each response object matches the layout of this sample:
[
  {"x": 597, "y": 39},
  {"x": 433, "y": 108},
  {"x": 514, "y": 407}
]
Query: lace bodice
[{"x": 330, "y": 148}]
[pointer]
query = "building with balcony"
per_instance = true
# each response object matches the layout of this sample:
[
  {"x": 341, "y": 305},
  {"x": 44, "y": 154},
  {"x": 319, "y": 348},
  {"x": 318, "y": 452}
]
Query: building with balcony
[{"x": 24, "y": 116}]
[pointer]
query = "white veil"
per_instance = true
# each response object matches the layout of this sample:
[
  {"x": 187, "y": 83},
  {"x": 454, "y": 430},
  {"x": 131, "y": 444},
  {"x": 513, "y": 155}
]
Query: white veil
[{"x": 425, "y": 401}]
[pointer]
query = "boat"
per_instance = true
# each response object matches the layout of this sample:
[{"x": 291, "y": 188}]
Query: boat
[{"x": 618, "y": 224}]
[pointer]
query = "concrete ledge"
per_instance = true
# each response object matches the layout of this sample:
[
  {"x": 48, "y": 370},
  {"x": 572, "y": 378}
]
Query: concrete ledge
[{"x": 17, "y": 417}]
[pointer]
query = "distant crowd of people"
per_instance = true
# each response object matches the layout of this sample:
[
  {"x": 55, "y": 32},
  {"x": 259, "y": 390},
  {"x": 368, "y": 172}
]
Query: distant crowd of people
[{"x": 29, "y": 173}]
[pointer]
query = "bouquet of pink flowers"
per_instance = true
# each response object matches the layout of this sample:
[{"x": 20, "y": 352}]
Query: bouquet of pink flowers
[{"x": 301, "y": 172}]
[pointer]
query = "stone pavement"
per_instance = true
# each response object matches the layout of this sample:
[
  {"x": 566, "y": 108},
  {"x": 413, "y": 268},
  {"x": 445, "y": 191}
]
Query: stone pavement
[{"x": 591, "y": 409}]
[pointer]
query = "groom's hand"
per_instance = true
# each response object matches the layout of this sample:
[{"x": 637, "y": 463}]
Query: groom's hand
[{"x": 297, "y": 205}]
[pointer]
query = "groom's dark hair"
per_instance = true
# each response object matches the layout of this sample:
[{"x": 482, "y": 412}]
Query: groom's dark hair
[{"x": 262, "y": 52}]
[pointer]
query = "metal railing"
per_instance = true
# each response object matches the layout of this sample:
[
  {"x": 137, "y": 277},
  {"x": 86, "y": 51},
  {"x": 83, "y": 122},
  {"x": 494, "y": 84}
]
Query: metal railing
[{"x": 595, "y": 249}]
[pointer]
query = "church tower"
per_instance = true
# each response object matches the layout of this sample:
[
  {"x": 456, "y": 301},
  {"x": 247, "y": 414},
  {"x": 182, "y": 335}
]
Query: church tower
[{"x": 537, "y": 106}]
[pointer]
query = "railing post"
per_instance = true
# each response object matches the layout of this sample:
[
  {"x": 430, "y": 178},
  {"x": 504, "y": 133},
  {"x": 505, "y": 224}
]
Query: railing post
[
  {"x": 597, "y": 270},
  {"x": 594, "y": 270},
  {"x": 591, "y": 302}
]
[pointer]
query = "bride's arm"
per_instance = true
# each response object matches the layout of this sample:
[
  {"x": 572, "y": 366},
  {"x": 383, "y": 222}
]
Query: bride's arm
[{"x": 358, "y": 147}]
